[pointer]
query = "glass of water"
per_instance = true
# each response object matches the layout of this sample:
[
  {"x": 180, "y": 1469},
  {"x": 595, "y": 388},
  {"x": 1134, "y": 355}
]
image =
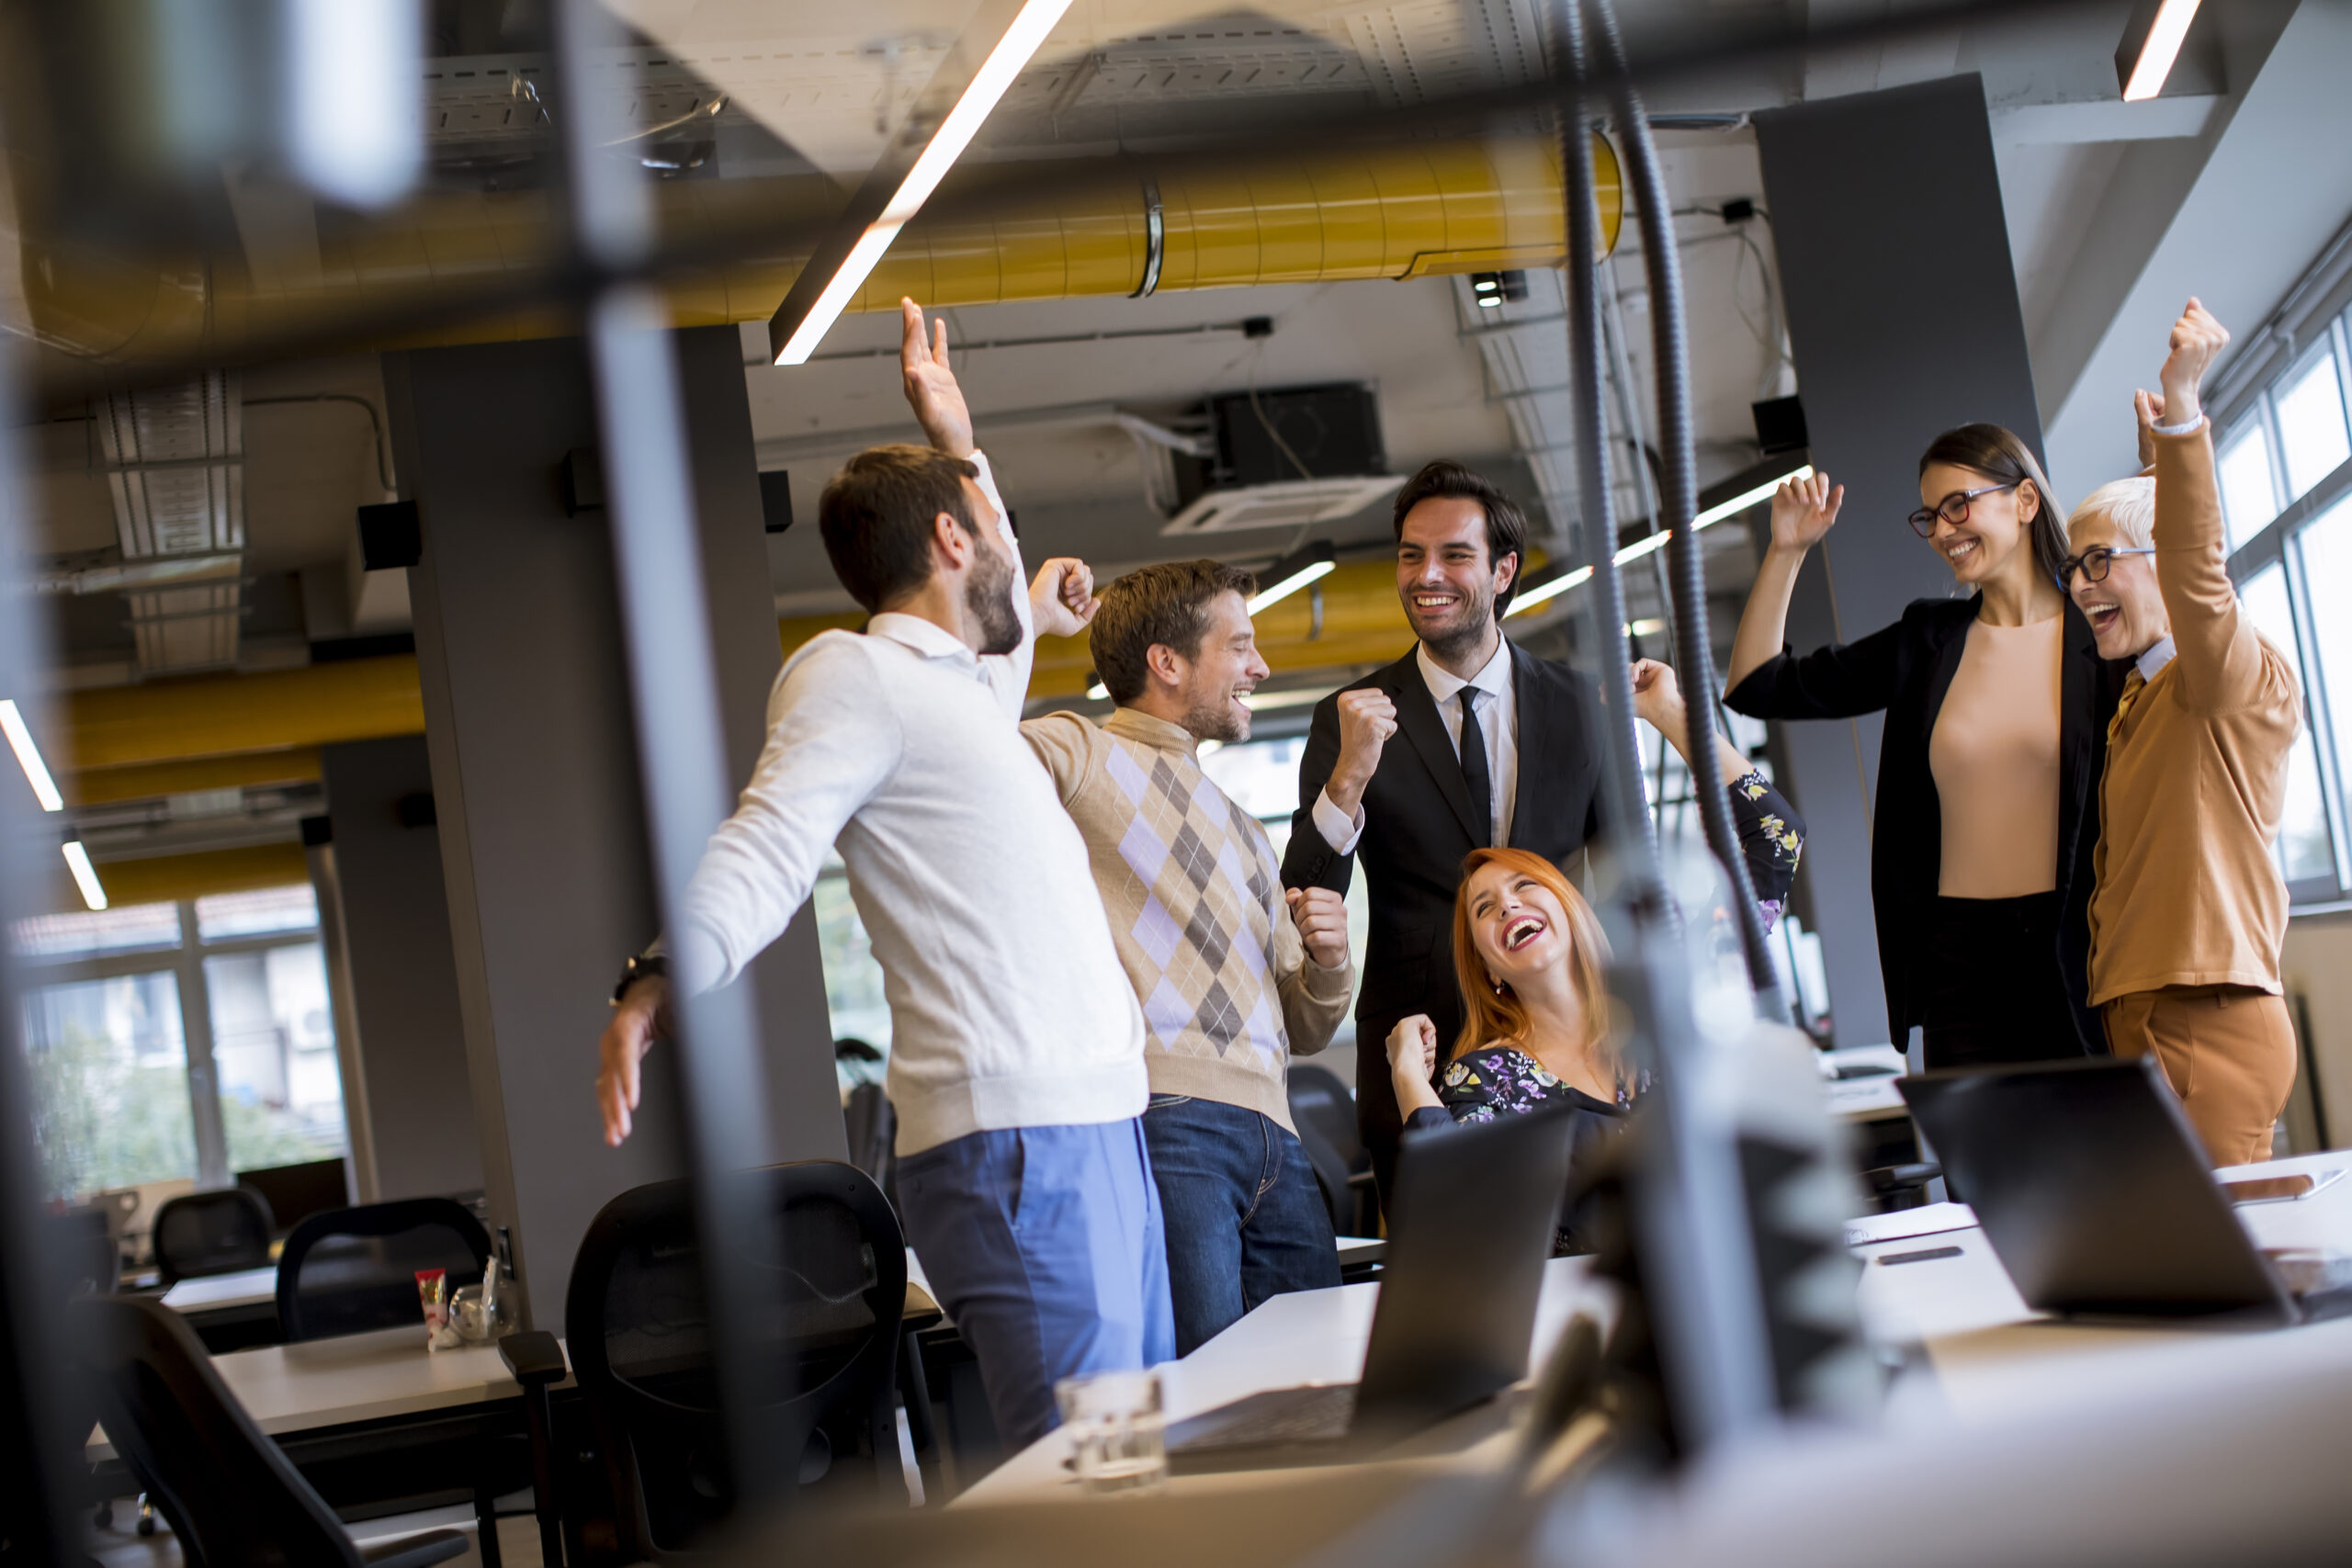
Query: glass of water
[{"x": 1117, "y": 1426}]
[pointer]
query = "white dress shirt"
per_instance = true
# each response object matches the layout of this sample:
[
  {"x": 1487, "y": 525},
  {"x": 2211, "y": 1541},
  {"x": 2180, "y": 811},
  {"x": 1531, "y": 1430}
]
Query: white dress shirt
[
  {"x": 2152, "y": 663},
  {"x": 901, "y": 748},
  {"x": 1497, "y": 722}
]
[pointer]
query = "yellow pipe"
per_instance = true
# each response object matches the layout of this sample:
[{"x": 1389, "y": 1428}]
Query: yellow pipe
[
  {"x": 147, "y": 780},
  {"x": 227, "y": 716},
  {"x": 1393, "y": 211},
  {"x": 162, "y": 879}
]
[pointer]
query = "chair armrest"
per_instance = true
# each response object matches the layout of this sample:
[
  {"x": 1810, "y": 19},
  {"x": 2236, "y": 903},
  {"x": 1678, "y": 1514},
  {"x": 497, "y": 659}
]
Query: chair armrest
[
  {"x": 1360, "y": 1179},
  {"x": 534, "y": 1357}
]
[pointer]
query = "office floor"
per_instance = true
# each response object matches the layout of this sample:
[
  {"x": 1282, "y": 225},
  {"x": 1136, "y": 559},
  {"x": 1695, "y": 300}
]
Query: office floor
[{"x": 120, "y": 1546}]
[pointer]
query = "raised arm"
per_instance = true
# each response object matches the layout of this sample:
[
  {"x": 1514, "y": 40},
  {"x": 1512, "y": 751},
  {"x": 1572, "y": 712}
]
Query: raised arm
[
  {"x": 1772, "y": 835},
  {"x": 833, "y": 738},
  {"x": 2220, "y": 656},
  {"x": 1803, "y": 513},
  {"x": 1312, "y": 973}
]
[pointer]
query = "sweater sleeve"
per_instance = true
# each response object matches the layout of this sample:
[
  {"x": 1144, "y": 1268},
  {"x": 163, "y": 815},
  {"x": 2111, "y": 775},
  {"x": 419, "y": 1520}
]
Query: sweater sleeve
[
  {"x": 834, "y": 738},
  {"x": 1840, "y": 681},
  {"x": 1062, "y": 741},
  {"x": 2220, "y": 655},
  {"x": 1771, "y": 836}
]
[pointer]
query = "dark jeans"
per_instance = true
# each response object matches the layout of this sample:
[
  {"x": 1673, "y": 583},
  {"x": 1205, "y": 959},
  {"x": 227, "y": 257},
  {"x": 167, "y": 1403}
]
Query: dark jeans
[
  {"x": 1992, "y": 994},
  {"x": 1245, "y": 1220}
]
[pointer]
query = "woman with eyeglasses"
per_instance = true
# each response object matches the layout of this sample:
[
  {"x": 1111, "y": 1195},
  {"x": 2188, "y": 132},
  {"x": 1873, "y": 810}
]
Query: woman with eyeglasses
[{"x": 1996, "y": 711}]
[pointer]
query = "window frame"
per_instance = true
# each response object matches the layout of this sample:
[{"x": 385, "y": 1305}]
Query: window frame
[{"x": 185, "y": 963}]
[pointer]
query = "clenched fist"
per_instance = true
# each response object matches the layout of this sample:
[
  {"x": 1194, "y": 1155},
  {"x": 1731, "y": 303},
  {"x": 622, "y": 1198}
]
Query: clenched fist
[
  {"x": 1412, "y": 1062},
  {"x": 1061, "y": 597},
  {"x": 2197, "y": 341},
  {"x": 1322, "y": 917},
  {"x": 1803, "y": 511},
  {"x": 1367, "y": 718}
]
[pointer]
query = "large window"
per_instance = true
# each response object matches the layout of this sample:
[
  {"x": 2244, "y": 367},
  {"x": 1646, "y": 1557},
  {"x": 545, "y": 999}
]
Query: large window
[
  {"x": 2285, "y": 478},
  {"x": 180, "y": 1041}
]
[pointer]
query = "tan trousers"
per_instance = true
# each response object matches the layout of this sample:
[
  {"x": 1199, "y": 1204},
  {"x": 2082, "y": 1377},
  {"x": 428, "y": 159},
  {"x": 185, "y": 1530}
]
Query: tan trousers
[{"x": 2228, "y": 1051}]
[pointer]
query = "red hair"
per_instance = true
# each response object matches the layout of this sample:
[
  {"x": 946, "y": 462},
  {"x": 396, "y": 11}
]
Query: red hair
[{"x": 1498, "y": 1017}]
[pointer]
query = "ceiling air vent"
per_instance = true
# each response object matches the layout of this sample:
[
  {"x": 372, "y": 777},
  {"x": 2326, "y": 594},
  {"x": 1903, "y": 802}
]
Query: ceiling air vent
[{"x": 1284, "y": 459}]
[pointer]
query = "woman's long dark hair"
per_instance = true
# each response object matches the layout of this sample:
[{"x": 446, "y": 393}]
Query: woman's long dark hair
[{"x": 1999, "y": 456}]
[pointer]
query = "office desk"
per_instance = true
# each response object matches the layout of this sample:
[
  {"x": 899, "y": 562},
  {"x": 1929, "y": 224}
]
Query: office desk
[
  {"x": 1309, "y": 1336},
  {"x": 1990, "y": 1356},
  {"x": 214, "y": 1292}
]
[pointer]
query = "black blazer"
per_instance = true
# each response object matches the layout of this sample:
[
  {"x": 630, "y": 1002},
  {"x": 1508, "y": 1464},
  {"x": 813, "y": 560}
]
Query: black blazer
[
  {"x": 1419, "y": 826},
  {"x": 1907, "y": 670}
]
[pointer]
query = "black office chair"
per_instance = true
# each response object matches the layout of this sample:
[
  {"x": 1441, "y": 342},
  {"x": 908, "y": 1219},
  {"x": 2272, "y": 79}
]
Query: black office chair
[
  {"x": 350, "y": 1271},
  {"x": 225, "y": 1489},
  {"x": 1325, "y": 1114},
  {"x": 639, "y": 1349},
  {"x": 211, "y": 1232}
]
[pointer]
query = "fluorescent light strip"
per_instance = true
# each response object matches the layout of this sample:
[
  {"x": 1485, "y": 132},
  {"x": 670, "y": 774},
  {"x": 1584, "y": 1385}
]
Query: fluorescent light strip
[
  {"x": 2162, "y": 48},
  {"x": 1545, "y": 592},
  {"x": 1021, "y": 39},
  {"x": 85, "y": 876},
  {"x": 20, "y": 739},
  {"x": 1291, "y": 584}
]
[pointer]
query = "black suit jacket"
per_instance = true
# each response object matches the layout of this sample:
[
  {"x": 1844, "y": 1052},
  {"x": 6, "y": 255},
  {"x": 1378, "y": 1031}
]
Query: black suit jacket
[
  {"x": 1907, "y": 670},
  {"x": 1418, "y": 827}
]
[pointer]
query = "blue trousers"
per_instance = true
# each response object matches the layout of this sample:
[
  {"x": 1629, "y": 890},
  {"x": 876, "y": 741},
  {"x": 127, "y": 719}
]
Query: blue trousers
[
  {"x": 1246, "y": 1220},
  {"x": 1044, "y": 1244}
]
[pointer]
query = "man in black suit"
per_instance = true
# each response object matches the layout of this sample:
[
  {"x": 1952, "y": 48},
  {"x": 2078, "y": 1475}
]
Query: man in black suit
[{"x": 1529, "y": 777}]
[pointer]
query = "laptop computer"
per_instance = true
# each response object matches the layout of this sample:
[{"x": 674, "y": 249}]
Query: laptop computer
[
  {"x": 1468, "y": 1236},
  {"x": 2093, "y": 1190}
]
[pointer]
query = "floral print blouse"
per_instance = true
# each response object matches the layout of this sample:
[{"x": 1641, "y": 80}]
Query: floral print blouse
[
  {"x": 1771, "y": 837},
  {"x": 1503, "y": 1080}
]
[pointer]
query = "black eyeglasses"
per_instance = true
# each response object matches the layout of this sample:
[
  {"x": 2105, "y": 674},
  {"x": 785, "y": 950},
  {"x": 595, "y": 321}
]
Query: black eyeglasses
[
  {"x": 2093, "y": 564},
  {"x": 1953, "y": 508}
]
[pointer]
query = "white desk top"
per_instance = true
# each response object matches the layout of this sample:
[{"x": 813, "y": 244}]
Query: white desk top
[
  {"x": 1994, "y": 1357},
  {"x": 359, "y": 1377},
  {"x": 247, "y": 1287},
  {"x": 1309, "y": 1336}
]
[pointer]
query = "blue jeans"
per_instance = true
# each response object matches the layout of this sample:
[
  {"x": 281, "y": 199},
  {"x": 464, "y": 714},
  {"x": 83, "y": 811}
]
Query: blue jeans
[
  {"x": 1246, "y": 1220},
  {"x": 1043, "y": 1244}
]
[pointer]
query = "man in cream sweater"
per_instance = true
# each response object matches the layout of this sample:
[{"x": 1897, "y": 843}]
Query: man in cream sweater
[
  {"x": 2189, "y": 910},
  {"x": 1016, "y": 1062},
  {"x": 1234, "y": 974}
]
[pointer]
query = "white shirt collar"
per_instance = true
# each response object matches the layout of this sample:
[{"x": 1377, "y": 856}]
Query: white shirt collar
[
  {"x": 2152, "y": 663},
  {"x": 1493, "y": 678},
  {"x": 928, "y": 639}
]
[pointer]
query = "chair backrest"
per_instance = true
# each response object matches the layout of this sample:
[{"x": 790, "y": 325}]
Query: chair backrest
[
  {"x": 1316, "y": 1095},
  {"x": 637, "y": 1334},
  {"x": 350, "y": 1271},
  {"x": 211, "y": 1232},
  {"x": 226, "y": 1490}
]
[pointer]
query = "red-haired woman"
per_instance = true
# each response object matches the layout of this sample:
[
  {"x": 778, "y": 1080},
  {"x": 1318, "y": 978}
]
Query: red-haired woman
[{"x": 1527, "y": 951}]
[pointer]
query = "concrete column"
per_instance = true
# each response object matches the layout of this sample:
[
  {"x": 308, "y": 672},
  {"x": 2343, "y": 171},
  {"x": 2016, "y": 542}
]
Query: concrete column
[
  {"x": 1903, "y": 317},
  {"x": 395, "y": 904},
  {"x": 535, "y": 771}
]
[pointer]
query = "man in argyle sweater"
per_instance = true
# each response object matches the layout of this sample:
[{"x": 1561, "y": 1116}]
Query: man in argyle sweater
[{"x": 1233, "y": 973}]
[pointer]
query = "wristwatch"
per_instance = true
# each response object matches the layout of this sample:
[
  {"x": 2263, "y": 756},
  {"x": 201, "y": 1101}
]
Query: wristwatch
[{"x": 642, "y": 966}]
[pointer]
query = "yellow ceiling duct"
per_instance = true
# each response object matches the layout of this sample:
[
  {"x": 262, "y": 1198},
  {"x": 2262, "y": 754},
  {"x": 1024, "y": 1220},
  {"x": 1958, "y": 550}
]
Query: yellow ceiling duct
[
  {"x": 163, "y": 879},
  {"x": 1405, "y": 210}
]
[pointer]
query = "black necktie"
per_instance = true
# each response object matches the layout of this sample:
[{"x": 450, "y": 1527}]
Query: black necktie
[{"x": 1474, "y": 767}]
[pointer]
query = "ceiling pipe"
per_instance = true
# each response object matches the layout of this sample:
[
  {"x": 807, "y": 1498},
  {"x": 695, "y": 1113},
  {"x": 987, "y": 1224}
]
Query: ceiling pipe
[{"x": 1410, "y": 209}]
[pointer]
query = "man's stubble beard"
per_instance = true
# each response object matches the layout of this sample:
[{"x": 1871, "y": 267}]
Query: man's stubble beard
[
  {"x": 987, "y": 599},
  {"x": 1465, "y": 641}
]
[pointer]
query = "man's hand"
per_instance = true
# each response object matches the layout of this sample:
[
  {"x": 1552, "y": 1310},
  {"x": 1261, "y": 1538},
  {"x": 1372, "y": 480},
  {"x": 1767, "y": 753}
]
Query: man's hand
[
  {"x": 1657, "y": 698},
  {"x": 1803, "y": 511},
  {"x": 1412, "y": 1062},
  {"x": 1061, "y": 597},
  {"x": 2197, "y": 341},
  {"x": 1367, "y": 718},
  {"x": 932, "y": 391},
  {"x": 1322, "y": 917},
  {"x": 640, "y": 1017}
]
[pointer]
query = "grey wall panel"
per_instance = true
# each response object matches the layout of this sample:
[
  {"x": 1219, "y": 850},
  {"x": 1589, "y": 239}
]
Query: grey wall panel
[
  {"x": 403, "y": 977},
  {"x": 1904, "y": 320},
  {"x": 535, "y": 771}
]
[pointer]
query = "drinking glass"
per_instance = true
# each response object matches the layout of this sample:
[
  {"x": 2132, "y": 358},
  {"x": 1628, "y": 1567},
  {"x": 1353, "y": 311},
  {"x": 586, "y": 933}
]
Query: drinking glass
[{"x": 1117, "y": 1427}]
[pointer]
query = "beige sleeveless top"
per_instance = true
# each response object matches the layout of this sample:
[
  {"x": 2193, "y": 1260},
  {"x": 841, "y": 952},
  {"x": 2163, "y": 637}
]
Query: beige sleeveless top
[{"x": 1995, "y": 757}]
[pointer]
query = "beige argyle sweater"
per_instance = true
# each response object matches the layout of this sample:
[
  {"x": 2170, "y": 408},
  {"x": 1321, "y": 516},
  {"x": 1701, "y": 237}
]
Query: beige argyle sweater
[{"x": 1195, "y": 897}]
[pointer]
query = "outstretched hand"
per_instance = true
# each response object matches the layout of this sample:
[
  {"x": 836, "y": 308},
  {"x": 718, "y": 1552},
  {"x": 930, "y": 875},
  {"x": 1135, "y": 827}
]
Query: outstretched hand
[
  {"x": 636, "y": 1020},
  {"x": 931, "y": 387},
  {"x": 1804, "y": 509},
  {"x": 1061, "y": 597}
]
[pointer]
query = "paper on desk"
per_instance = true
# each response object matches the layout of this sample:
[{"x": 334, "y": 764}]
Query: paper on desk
[{"x": 1926, "y": 1220}]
